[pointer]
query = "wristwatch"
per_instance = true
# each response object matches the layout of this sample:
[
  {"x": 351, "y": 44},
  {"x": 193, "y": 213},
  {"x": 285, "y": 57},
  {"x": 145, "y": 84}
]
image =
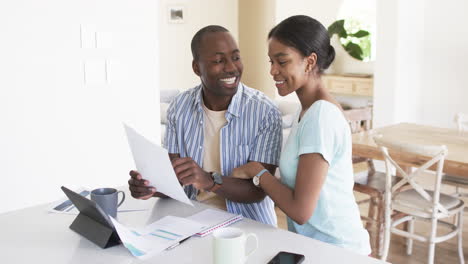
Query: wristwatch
[
  {"x": 217, "y": 179},
  {"x": 256, "y": 178}
]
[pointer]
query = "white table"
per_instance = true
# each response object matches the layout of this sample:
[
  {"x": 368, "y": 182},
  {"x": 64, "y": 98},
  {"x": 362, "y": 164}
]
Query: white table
[{"x": 34, "y": 236}]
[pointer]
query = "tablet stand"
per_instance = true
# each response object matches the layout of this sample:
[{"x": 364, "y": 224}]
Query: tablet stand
[{"x": 94, "y": 231}]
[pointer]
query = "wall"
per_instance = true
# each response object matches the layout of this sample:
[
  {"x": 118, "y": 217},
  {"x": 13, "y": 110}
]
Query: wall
[
  {"x": 55, "y": 129},
  {"x": 444, "y": 83},
  {"x": 323, "y": 11},
  {"x": 385, "y": 78},
  {"x": 420, "y": 73},
  {"x": 175, "y": 55},
  {"x": 256, "y": 19}
]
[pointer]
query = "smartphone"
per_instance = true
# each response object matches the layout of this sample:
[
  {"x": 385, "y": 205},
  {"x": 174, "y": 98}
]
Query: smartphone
[{"x": 287, "y": 258}]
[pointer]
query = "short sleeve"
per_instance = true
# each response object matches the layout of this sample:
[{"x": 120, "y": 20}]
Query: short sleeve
[
  {"x": 317, "y": 133},
  {"x": 170, "y": 138},
  {"x": 267, "y": 146}
]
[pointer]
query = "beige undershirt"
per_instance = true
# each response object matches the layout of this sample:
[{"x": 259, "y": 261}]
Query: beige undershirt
[{"x": 213, "y": 122}]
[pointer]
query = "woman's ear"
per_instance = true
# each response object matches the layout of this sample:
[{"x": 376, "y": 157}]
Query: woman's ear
[{"x": 311, "y": 62}]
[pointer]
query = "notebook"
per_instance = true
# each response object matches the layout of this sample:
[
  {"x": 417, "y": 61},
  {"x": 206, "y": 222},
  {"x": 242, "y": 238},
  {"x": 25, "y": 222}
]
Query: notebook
[{"x": 214, "y": 219}]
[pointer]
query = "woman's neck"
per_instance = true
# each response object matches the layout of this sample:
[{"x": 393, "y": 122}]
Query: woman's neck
[{"x": 311, "y": 92}]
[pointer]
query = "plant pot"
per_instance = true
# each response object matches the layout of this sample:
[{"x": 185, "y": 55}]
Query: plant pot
[{"x": 345, "y": 64}]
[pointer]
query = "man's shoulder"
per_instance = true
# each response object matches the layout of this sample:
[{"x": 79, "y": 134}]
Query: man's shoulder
[
  {"x": 254, "y": 96},
  {"x": 187, "y": 94},
  {"x": 184, "y": 103}
]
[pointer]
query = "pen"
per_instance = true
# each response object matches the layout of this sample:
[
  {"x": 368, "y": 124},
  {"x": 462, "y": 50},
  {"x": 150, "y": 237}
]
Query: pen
[{"x": 178, "y": 243}]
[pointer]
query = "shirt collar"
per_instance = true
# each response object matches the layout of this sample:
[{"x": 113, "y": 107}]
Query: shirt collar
[{"x": 234, "y": 107}]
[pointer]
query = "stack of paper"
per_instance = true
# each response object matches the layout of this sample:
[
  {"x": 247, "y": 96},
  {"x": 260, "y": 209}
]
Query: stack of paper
[
  {"x": 213, "y": 219},
  {"x": 158, "y": 236}
]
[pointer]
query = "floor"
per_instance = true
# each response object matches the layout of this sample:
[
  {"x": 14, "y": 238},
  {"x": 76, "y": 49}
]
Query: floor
[{"x": 446, "y": 252}]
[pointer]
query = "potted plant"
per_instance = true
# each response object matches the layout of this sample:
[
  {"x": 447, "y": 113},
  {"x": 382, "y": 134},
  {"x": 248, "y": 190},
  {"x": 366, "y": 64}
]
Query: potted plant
[{"x": 355, "y": 41}]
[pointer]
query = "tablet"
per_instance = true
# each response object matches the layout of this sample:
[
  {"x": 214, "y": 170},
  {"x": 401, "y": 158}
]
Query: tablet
[{"x": 88, "y": 208}]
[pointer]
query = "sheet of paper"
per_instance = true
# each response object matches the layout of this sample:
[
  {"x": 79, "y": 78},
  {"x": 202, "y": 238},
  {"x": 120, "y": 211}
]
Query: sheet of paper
[
  {"x": 213, "y": 219},
  {"x": 210, "y": 217},
  {"x": 65, "y": 206},
  {"x": 152, "y": 161},
  {"x": 156, "y": 237}
]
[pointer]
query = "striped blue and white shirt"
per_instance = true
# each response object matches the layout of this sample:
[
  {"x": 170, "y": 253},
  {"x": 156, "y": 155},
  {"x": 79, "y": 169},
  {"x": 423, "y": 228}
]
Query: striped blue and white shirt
[{"x": 252, "y": 133}]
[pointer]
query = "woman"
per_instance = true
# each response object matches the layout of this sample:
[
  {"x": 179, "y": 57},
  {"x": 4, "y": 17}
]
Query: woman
[{"x": 316, "y": 187}]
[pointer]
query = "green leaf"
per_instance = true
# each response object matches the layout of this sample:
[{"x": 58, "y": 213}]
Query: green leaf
[
  {"x": 360, "y": 34},
  {"x": 354, "y": 50},
  {"x": 337, "y": 28}
]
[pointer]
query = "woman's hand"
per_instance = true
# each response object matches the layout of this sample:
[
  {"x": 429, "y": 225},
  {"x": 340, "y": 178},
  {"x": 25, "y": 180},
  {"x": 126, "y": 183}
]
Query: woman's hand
[{"x": 247, "y": 171}]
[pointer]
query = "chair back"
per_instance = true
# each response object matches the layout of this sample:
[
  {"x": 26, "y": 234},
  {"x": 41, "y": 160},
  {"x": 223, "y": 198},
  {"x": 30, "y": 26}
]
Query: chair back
[
  {"x": 359, "y": 119},
  {"x": 461, "y": 120},
  {"x": 436, "y": 154}
]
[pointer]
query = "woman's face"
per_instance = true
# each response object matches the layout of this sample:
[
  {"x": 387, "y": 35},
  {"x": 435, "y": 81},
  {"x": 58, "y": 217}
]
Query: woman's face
[{"x": 288, "y": 67}]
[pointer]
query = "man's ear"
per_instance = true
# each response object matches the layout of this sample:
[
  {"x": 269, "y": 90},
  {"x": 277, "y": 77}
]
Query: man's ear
[
  {"x": 196, "y": 68},
  {"x": 311, "y": 62}
]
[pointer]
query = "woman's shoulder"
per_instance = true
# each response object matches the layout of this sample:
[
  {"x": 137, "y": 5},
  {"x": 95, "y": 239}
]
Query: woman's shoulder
[{"x": 323, "y": 110}]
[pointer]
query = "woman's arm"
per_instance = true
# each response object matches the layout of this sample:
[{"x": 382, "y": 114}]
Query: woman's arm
[{"x": 298, "y": 203}]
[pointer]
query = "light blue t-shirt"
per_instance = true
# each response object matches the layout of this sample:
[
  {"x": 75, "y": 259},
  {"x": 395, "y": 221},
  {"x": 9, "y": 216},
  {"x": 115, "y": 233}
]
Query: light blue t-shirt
[{"x": 335, "y": 220}]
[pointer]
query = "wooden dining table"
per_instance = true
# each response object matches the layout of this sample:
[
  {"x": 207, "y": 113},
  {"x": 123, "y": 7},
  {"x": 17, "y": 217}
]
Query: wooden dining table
[{"x": 456, "y": 162}]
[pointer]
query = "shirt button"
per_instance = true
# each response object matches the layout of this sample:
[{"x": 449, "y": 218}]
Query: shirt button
[
  {"x": 201, "y": 122},
  {"x": 200, "y": 147}
]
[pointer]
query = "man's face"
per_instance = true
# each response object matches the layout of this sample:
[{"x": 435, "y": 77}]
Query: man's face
[{"x": 219, "y": 65}]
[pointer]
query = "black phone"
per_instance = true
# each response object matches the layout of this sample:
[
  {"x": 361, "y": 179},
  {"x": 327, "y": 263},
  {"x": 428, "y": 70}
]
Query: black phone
[{"x": 287, "y": 258}]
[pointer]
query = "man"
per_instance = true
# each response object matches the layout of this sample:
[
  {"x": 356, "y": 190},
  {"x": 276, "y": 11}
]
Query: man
[{"x": 218, "y": 126}]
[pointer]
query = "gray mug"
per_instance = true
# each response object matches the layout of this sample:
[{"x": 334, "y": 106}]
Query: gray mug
[{"x": 107, "y": 199}]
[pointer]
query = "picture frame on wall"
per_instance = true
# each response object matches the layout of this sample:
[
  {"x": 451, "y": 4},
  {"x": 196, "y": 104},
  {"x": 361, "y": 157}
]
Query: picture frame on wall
[{"x": 176, "y": 14}]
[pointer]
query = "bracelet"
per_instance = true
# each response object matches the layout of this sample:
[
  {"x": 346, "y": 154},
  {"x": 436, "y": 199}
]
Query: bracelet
[{"x": 261, "y": 172}]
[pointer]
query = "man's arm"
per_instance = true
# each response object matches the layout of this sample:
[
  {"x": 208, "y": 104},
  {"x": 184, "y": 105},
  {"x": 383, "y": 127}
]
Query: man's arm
[
  {"x": 241, "y": 190},
  {"x": 266, "y": 152}
]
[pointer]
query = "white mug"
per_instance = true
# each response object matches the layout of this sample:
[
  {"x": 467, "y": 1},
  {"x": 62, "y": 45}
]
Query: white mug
[{"x": 229, "y": 245}]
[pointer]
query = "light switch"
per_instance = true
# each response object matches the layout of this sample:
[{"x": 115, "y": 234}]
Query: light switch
[
  {"x": 95, "y": 71},
  {"x": 104, "y": 40},
  {"x": 88, "y": 36}
]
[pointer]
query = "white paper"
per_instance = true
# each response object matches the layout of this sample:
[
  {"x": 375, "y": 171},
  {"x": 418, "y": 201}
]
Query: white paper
[
  {"x": 156, "y": 237},
  {"x": 213, "y": 219},
  {"x": 152, "y": 162},
  {"x": 65, "y": 206}
]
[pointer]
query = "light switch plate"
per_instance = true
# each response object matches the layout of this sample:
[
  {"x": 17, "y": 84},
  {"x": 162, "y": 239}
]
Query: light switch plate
[
  {"x": 88, "y": 36},
  {"x": 95, "y": 71}
]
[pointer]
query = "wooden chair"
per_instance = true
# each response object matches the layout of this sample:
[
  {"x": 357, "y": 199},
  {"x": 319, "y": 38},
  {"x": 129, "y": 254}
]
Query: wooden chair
[
  {"x": 418, "y": 203},
  {"x": 459, "y": 182},
  {"x": 373, "y": 185}
]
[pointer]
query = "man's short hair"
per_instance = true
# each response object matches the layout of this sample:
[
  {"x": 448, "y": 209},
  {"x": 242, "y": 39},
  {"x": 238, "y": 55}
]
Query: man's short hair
[{"x": 196, "y": 40}]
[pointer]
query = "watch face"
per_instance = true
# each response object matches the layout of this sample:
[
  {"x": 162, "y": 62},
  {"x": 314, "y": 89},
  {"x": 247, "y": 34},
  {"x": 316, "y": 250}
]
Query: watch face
[
  {"x": 217, "y": 178},
  {"x": 256, "y": 180}
]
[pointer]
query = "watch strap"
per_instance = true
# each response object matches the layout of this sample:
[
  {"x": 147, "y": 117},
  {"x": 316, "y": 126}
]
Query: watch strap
[{"x": 217, "y": 181}]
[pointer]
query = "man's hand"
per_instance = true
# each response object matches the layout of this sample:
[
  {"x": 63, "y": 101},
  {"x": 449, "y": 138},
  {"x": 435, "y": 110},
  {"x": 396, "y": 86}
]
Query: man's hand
[
  {"x": 247, "y": 171},
  {"x": 139, "y": 187},
  {"x": 189, "y": 173}
]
